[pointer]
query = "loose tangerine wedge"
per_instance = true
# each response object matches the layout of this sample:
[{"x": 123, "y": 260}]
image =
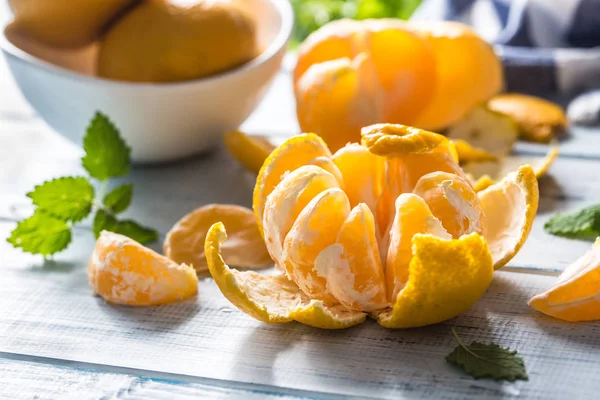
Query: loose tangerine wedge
[
  {"x": 574, "y": 297},
  {"x": 446, "y": 277},
  {"x": 185, "y": 241},
  {"x": 273, "y": 299},
  {"x": 123, "y": 271},
  {"x": 510, "y": 206}
]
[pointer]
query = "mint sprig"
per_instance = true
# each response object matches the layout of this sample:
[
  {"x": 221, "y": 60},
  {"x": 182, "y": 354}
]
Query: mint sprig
[
  {"x": 582, "y": 224},
  {"x": 62, "y": 202},
  {"x": 487, "y": 361}
]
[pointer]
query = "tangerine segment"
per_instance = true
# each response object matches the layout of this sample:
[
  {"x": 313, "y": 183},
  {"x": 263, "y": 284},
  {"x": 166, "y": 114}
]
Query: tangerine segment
[
  {"x": 403, "y": 81},
  {"x": 291, "y": 154},
  {"x": 316, "y": 228},
  {"x": 574, "y": 297},
  {"x": 352, "y": 266},
  {"x": 453, "y": 201},
  {"x": 328, "y": 165},
  {"x": 363, "y": 174},
  {"x": 123, "y": 271},
  {"x": 246, "y": 248},
  {"x": 404, "y": 172},
  {"x": 250, "y": 151},
  {"x": 330, "y": 102},
  {"x": 289, "y": 198},
  {"x": 272, "y": 299},
  {"x": 510, "y": 207},
  {"x": 446, "y": 277},
  {"x": 461, "y": 81},
  {"x": 412, "y": 216},
  {"x": 333, "y": 41}
]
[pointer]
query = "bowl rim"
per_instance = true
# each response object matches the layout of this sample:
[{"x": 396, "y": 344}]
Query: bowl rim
[{"x": 283, "y": 8}]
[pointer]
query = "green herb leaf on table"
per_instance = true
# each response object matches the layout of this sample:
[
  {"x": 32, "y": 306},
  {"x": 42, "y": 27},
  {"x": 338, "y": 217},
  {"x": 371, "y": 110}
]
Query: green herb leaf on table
[
  {"x": 41, "y": 234},
  {"x": 135, "y": 231},
  {"x": 582, "y": 224},
  {"x": 103, "y": 221},
  {"x": 66, "y": 199},
  {"x": 106, "y": 153},
  {"x": 119, "y": 198},
  {"x": 487, "y": 361}
]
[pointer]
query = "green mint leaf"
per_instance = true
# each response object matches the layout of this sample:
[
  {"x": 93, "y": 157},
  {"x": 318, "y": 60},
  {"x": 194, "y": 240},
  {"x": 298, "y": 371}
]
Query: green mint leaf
[
  {"x": 103, "y": 221},
  {"x": 66, "y": 199},
  {"x": 487, "y": 361},
  {"x": 41, "y": 234},
  {"x": 119, "y": 198},
  {"x": 583, "y": 224},
  {"x": 106, "y": 153},
  {"x": 134, "y": 231}
]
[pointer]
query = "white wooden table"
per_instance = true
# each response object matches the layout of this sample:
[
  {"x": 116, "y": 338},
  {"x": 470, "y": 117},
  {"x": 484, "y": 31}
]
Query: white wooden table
[{"x": 57, "y": 341}]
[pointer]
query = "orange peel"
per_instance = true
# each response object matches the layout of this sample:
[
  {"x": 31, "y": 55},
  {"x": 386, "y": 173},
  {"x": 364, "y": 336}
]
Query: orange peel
[
  {"x": 272, "y": 299},
  {"x": 122, "y": 271},
  {"x": 184, "y": 243},
  {"x": 250, "y": 151},
  {"x": 510, "y": 206},
  {"x": 485, "y": 173},
  {"x": 574, "y": 296},
  {"x": 395, "y": 230}
]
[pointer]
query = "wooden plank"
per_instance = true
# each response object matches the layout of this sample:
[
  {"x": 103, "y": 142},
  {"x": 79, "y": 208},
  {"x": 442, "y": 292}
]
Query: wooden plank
[
  {"x": 50, "y": 312},
  {"x": 24, "y": 380}
]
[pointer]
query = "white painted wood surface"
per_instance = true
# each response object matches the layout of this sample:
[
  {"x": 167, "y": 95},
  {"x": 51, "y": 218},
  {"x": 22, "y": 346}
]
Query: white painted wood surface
[{"x": 57, "y": 341}]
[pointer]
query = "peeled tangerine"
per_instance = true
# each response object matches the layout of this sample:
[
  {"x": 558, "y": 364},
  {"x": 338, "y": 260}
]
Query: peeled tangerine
[
  {"x": 574, "y": 297},
  {"x": 122, "y": 271},
  {"x": 352, "y": 74},
  {"x": 390, "y": 227}
]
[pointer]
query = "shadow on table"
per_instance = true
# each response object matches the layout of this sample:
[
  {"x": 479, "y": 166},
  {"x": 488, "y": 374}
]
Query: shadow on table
[
  {"x": 155, "y": 319},
  {"x": 368, "y": 356}
]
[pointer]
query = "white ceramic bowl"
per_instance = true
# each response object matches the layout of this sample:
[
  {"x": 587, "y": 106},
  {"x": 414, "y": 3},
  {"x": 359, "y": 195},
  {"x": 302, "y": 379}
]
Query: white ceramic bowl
[{"x": 160, "y": 122}]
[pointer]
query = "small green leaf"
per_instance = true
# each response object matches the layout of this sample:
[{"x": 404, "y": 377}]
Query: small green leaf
[
  {"x": 41, "y": 234},
  {"x": 106, "y": 153},
  {"x": 103, "y": 221},
  {"x": 487, "y": 361},
  {"x": 67, "y": 199},
  {"x": 119, "y": 198},
  {"x": 583, "y": 224},
  {"x": 135, "y": 231}
]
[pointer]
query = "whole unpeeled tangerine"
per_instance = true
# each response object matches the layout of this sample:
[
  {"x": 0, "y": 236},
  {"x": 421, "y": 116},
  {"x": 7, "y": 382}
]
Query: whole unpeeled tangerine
[
  {"x": 60, "y": 23},
  {"x": 169, "y": 41}
]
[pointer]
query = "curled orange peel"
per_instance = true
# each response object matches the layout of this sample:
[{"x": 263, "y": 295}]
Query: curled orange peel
[{"x": 391, "y": 227}]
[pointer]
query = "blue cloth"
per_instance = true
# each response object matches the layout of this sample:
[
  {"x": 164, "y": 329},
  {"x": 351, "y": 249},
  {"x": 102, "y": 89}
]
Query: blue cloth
[{"x": 547, "y": 47}]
